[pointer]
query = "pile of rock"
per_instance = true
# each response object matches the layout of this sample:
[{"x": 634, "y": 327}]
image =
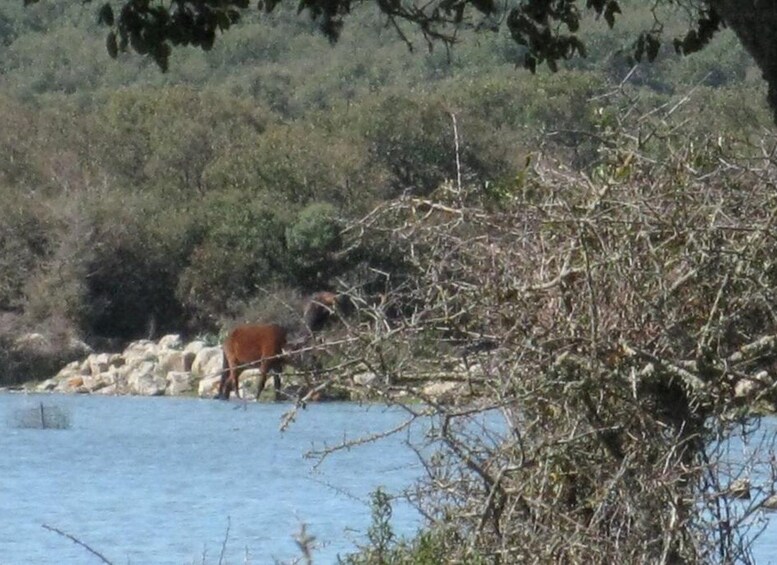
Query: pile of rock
[
  {"x": 172, "y": 367},
  {"x": 145, "y": 367}
]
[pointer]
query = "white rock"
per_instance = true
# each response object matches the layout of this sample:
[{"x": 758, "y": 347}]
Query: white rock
[
  {"x": 207, "y": 362},
  {"x": 174, "y": 360},
  {"x": 249, "y": 379},
  {"x": 110, "y": 390},
  {"x": 148, "y": 385},
  {"x": 179, "y": 382},
  {"x": 445, "y": 391},
  {"x": 71, "y": 384},
  {"x": 85, "y": 367},
  {"x": 69, "y": 370},
  {"x": 100, "y": 362},
  {"x": 96, "y": 382},
  {"x": 47, "y": 385},
  {"x": 365, "y": 379},
  {"x": 170, "y": 341},
  {"x": 208, "y": 386},
  {"x": 144, "y": 380},
  {"x": 143, "y": 349},
  {"x": 194, "y": 346}
]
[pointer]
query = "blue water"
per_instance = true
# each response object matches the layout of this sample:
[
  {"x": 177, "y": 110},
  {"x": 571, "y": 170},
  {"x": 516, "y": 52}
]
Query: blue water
[{"x": 164, "y": 480}]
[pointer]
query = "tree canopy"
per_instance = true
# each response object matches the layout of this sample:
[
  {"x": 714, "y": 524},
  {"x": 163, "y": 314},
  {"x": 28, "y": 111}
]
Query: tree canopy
[{"x": 547, "y": 31}]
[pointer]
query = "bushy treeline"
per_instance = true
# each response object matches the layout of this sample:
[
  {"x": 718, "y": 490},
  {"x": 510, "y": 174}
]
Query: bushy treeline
[{"x": 137, "y": 202}]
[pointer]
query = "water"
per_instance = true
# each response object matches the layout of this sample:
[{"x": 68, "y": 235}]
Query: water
[
  {"x": 166, "y": 480},
  {"x": 752, "y": 456},
  {"x": 163, "y": 480}
]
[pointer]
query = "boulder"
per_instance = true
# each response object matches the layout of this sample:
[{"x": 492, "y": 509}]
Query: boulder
[
  {"x": 179, "y": 382},
  {"x": 141, "y": 349},
  {"x": 47, "y": 385},
  {"x": 171, "y": 341},
  {"x": 110, "y": 390},
  {"x": 74, "y": 382},
  {"x": 85, "y": 368},
  {"x": 147, "y": 384},
  {"x": 67, "y": 372},
  {"x": 445, "y": 392},
  {"x": 144, "y": 380},
  {"x": 175, "y": 361},
  {"x": 365, "y": 379},
  {"x": 100, "y": 362},
  {"x": 207, "y": 362},
  {"x": 96, "y": 382},
  {"x": 194, "y": 346},
  {"x": 208, "y": 387},
  {"x": 249, "y": 380}
]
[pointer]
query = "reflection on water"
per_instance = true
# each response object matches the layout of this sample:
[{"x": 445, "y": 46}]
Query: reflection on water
[{"x": 161, "y": 480}]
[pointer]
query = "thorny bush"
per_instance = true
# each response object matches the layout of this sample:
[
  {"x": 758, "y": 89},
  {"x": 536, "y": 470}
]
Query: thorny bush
[{"x": 616, "y": 329}]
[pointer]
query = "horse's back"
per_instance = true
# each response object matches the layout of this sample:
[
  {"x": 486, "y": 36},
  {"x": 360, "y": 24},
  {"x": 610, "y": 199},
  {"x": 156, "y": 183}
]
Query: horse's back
[{"x": 251, "y": 342}]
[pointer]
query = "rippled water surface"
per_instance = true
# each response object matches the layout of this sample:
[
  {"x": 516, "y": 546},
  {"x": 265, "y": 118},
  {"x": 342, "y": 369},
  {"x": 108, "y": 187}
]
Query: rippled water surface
[
  {"x": 166, "y": 480},
  {"x": 162, "y": 480}
]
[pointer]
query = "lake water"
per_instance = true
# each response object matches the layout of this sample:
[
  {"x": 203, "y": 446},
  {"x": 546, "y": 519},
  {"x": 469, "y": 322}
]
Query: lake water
[{"x": 166, "y": 480}]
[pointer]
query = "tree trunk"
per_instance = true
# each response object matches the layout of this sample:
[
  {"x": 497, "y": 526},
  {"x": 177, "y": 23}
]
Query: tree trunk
[{"x": 755, "y": 23}]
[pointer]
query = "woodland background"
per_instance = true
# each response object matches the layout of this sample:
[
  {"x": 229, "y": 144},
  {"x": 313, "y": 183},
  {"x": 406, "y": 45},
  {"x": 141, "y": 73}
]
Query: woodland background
[{"x": 597, "y": 243}]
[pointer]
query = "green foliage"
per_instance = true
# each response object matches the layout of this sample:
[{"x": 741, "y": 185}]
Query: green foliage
[
  {"x": 384, "y": 548},
  {"x": 167, "y": 137},
  {"x": 412, "y": 139},
  {"x": 312, "y": 241},
  {"x": 380, "y": 533},
  {"x": 136, "y": 195},
  {"x": 240, "y": 249},
  {"x": 296, "y": 163}
]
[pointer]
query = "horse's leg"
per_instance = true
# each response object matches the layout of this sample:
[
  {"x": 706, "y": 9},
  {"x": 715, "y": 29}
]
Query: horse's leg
[
  {"x": 227, "y": 378},
  {"x": 276, "y": 381},
  {"x": 262, "y": 380},
  {"x": 236, "y": 381}
]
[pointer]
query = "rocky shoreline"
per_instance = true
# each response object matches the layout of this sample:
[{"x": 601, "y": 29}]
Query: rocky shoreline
[
  {"x": 172, "y": 367},
  {"x": 149, "y": 368}
]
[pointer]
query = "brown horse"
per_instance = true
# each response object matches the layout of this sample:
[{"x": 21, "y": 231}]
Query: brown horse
[
  {"x": 263, "y": 345},
  {"x": 249, "y": 345}
]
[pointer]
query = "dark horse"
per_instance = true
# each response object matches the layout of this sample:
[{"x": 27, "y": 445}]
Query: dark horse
[
  {"x": 324, "y": 306},
  {"x": 249, "y": 345}
]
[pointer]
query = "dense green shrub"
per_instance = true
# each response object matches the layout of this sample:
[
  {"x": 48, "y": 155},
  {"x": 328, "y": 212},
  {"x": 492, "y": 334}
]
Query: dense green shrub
[
  {"x": 163, "y": 139},
  {"x": 312, "y": 241},
  {"x": 242, "y": 248}
]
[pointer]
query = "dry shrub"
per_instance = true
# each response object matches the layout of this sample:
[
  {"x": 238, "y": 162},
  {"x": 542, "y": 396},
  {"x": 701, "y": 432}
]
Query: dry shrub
[
  {"x": 273, "y": 304},
  {"x": 606, "y": 321}
]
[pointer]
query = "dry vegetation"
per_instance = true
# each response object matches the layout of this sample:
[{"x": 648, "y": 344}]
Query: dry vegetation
[{"x": 607, "y": 320}]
